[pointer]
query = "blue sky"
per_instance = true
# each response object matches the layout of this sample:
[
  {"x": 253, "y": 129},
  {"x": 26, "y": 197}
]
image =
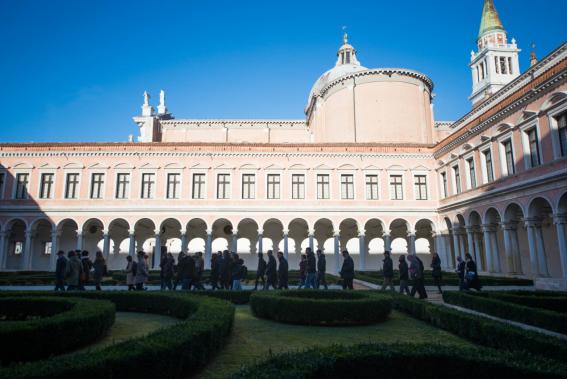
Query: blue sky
[{"x": 76, "y": 70}]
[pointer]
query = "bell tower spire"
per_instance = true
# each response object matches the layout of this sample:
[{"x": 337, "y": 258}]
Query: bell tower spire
[
  {"x": 346, "y": 54},
  {"x": 496, "y": 62}
]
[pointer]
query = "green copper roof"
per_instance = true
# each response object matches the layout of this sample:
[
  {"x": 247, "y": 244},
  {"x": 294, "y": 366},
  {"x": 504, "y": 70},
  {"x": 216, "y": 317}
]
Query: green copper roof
[{"x": 490, "y": 20}]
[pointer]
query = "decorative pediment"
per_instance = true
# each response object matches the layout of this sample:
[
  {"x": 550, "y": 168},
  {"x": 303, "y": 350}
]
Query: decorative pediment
[
  {"x": 322, "y": 167},
  {"x": 297, "y": 167},
  {"x": 467, "y": 146},
  {"x": 248, "y": 166},
  {"x": 346, "y": 167},
  {"x": 420, "y": 168},
  {"x": 148, "y": 166},
  {"x": 526, "y": 115},
  {"x": 553, "y": 99},
  {"x": 224, "y": 167},
  {"x": 395, "y": 167},
  {"x": 98, "y": 166},
  {"x": 441, "y": 163},
  {"x": 485, "y": 138},
  {"x": 73, "y": 166},
  {"x": 371, "y": 168},
  {"x": 23, "y": 165},
  {"x": 504, "y": 127},
  {"x": 48, "y": 166},
  {"x": 273, "y": 167},
  {"x": 173, "y": 166},
  {"x": 454, "y": 156},
  {"x": 199, "y": 166},
  {"x": 123, "y": 166}
]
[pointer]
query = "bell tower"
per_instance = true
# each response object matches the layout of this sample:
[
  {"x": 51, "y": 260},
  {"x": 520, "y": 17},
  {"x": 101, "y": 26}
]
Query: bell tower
[{"x": 496, "y": 62}]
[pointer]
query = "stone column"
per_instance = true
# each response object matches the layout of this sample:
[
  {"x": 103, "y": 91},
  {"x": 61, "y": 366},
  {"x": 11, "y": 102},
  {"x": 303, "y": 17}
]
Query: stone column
[
  {"x": 337, "y": 253},
  {"x": 208, "y": 248},
  {"x": 478, "y": 248},
  {"x": 560, "y": 222},
  {"x": 461, "y": 238},
  {"x": 456, "y": 244},
  {"x": 260, "y": 242},
  {"x": 26, "y": 264},
  {"x": 54, "y": 249},
  {"x": 311, "y": 244},
  {"x": 541, "y": 258},
  {"x": 105, "y": 244},
  {"x": 3, "y": 250},
  {"x": 234, "y": 243},
  {"x": 387, "y": 241},
  {"x": 184, "y": 242},
  {"x": 80, "y": 241},
  {"x": 439, "y": 249},
  {"x": 362, "y": 252},
  {"x": 446, "y": 240},
  {"x": 495, "y": 252},
  {"x": 157, "y": 250},
  {"x": 470, "y": 243},
  {"x": 531, "y": 226},
  {"x": 507, "y": 230},
  {"x": 411, "y": 242},
  {"x": 517, "y": 255},
  {"x": 486, "y": 229},
  {"x": 285, "y": 245},
  {"x": 132, "y": 244}
]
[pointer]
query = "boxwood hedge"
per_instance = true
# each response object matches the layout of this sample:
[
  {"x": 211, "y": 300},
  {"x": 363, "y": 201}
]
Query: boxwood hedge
[
  {"x": 556, "y": 301},
  {"x": 311, "y": 307},
  {"x": 499, "y": 307},
  {"x": 58, "y": 326},
  {"x": 481, "y": 330},
  {"x": 400, "y": 361},
  {"x": 171, "y": 352}
]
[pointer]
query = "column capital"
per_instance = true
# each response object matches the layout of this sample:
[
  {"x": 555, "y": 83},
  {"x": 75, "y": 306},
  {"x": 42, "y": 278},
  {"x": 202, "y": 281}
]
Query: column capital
[
  {"x": 385, "y": 235},
  {"x": 79, "y": 233},
  {"x": 531, "y": 222},
  {"x": 157, "y": 232},
  {"x": 209, "y": 231},
  {"x": 55, "y": 233},
  {"x": 311, "y": 233},
  {"x": 131, "y": 232},
  {"x": 560, "y": 219},
  {"x": 260, "y": 232},
  {"x": 361, "y": 234},
  {"x": 411, "y": 234},
  {"x": 488, "y": 228},
  {"x": 29, "y": 233},
  {"x": 183, "y": 231},
  {"x": 336, "y": 233},
  {"x": 285, "y": 232},
  {"x": 508, "y": 225}
]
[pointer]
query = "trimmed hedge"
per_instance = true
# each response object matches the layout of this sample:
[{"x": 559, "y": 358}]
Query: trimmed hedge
[
  {"x": 400, "y": 361},
  {"x": 171, "y": 352},
  {"x": 556, "y": 302},
  {"x": 64, "y": 325},
  {"x": 497, "y": 307},
  {"x": 329, "y": 308},
  {"x": 235, "y": 297},
  {"x": 481, "y": 330},
  {"x": 449, "y": 279}
]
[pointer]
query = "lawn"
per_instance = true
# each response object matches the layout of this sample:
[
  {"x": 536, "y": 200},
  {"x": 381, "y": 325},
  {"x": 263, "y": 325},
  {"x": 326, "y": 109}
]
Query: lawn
[{"x": 254, "y": 339}]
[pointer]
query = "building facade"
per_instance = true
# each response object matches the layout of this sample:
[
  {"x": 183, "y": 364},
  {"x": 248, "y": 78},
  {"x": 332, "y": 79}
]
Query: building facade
[{"x": 368, "y": 169}]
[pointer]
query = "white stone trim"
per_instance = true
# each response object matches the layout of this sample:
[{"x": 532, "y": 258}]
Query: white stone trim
[
  {"x": 66, "y": 172},
  {"x": 46, "y": 170},
  {"x": 105, "y": 180},
  {"x": 130, "y": 180},
  {"x": 173, "y": 170},
  {"x": 483, "y": 164},
  {"x": 468, "y": 179},
  {"x": 192, "y": 172},
  {"x": 502, "y": 153},
  {"x": 554, "y": 111},
  {"x": 527, "y": 126}
]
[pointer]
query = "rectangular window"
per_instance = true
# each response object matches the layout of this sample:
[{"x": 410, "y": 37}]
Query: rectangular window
[
  {"x": 496, "y": 65},
  {"x": 22, "y": 181},
  {"x": 122, "y": 186},
  {"x": 273, "y": 186},
  {"x": 445, "y": 186},
  {"x": 223, "y": 186},
  {"x": 371, "y": 187},
  {"x": 298, "y": 186},
  {"x": 323, "y": 191},
  {"x": 347, "y": 186},
  {"x": 248, "y": 186},
  {"x": 503, "y": 69},
  {"x": 148, "y": 185},
  {"x": 489, "y": 168},
  {"x": 173, "y": 185},
  {"x": 510, "y": 71},
  {"x": 509, "y": 157},
  {"x": 2, "y": 180},
  {"x": 562, "y": 130},
  {"x": 18, "y": 248},
  {"x": 97, "y": 184},
  {"x": 533, "y": 146},
  {"x": 46, "y": 186},
  {"x": 198, "y": 186},
  {"x": 72, "y": 186},
  {"x": 47, "y": 248},
  {"x": 420, "y": 187},
  {"x": 457, "y": 179},
  {"x": 396, "y": 187},
  {"x": 472, "y": 173}
]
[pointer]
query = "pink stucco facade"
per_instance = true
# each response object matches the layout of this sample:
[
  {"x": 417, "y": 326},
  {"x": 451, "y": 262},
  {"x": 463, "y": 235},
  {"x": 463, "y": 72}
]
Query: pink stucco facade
[{"x": 368, "y": 169}]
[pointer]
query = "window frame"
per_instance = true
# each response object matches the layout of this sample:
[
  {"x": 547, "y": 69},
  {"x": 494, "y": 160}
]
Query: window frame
[
  {"x": 425, "y": 175},
  {"x": 128, "y": 190},
  {"x": 557, "y": 110},
  {"x": 468, "y": 178},
  {"x": 502, "y": 151},
  {"x": 390, "y": 176},
  {"x": 204, "y": 190},
  {"x": 103, "y": 186},
  {"x": 53, "y": 185},
  {"x": 66, "y": 183},
  {"x": 456, "y": 175},
  {"x": 179, "y": 186},
  {"x": 353, "y": 194},
  {"x": 151, "y": 195},
  {"x": 304, "y": 183},
  {"x": 484, "y": 165},
  {"x": 328, "y": 175},
  {"x": 526, "y": 144},
  {"x": 252, "y": 186},
  {"x": 15, "y": 184},
  {"x": 444, "y": 183},
  {"x": 230, "y": 182},
  {"x": 279, "y": 185},
  {"x": 371, "y": 174}
]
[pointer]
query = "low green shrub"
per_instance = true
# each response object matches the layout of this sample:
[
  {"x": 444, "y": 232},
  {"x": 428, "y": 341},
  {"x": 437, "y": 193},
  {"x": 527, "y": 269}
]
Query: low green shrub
[
  {"x": 498, "y": 307},
  {"x": 171, "y": 352},
  {"x": 481, "y": 330},
  {"x": 63, "y": 325},
  {"x": 556, "y": 301},
  {"x": 312, "y": 307},
  {"x": 235, "y": 297},
  {"x": 400, "y": 361},
  {"x": 448, "y": 279}
]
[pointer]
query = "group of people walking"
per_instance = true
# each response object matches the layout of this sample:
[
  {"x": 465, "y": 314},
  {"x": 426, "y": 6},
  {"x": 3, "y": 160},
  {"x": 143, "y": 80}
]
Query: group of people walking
[
  {"x": 228, "y": 271},
  {"x": 75, "y": 270}
]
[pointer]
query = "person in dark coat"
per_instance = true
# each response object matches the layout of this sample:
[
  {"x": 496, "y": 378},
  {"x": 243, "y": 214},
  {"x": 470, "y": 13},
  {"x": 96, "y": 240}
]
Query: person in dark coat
[
  {"x": 60, "y": 269},
  {"x": 199, "y": 269},
  {"x": 471, "y": 274},
  {"x": 224, "y": 270},
  {"x": 87, "y": 267},
  {"x": 188, "y": 272},
  {"x": 388, "y": 272},
  {"x": 168, "y": 271},
  {"x": 260, "y": 271},
  {"x": 214, "y": 279},
  {"x": 99, "y": 266},
  {"x": 283, "y": 269},
  {"x": 302, "y": 268},
  {"x": 311, "y": 269},
  {"x": 436, "y": 271},
  {"x": 271, "y": 271},
  {"x": 177, "y": 270},
  {"x": 416, "y": 272},
  {"x": 321, "y": 269},
  {"x": 461, "y": 267},
  {"x": 404, "y": 275},
  {"x": 73, "y": 271},
  {"x": 236, "y": 273},
  {"x": 347, "y": 271}
]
